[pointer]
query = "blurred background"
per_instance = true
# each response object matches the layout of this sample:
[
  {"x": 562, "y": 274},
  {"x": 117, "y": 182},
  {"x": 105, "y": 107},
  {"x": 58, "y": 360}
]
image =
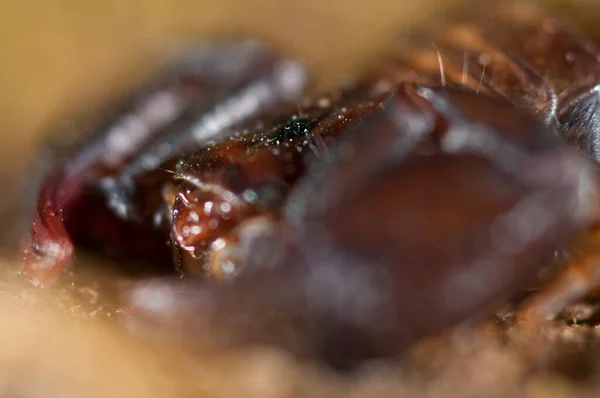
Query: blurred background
[
  {"x": 65, "y": 54},
  {"x": 60, "y": 57}
]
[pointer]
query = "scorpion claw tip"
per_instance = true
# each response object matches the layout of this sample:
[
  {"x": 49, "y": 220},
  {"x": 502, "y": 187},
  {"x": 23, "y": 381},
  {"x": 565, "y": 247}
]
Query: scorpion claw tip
[{"x": 42, "y": 263}]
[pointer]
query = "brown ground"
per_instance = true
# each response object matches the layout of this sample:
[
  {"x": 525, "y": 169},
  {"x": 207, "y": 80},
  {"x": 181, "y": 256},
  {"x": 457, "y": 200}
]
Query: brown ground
[{"x": 66, "y": 54}]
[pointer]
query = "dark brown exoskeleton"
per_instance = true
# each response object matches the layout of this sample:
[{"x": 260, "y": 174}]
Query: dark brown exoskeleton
[
  {"x": 537, "y": 63},
  {"x": 200, "y": 98},
  {"x": 367, "y": 218}
]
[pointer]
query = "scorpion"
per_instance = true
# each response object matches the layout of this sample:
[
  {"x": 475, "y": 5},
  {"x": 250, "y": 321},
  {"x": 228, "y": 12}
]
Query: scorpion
[{"x": 432, "y": 187}]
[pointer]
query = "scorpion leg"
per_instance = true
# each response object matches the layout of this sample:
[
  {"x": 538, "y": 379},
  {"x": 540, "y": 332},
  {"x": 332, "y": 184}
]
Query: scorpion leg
[
  {"x": 216, "y": 74},
  {"x": 258, "y": 87},
  {"x": 577, "y": 280}
]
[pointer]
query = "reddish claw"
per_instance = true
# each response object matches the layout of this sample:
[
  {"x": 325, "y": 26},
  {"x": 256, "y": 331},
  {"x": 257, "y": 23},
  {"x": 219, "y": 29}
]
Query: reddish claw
[{"x": 49, "y": 249}]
